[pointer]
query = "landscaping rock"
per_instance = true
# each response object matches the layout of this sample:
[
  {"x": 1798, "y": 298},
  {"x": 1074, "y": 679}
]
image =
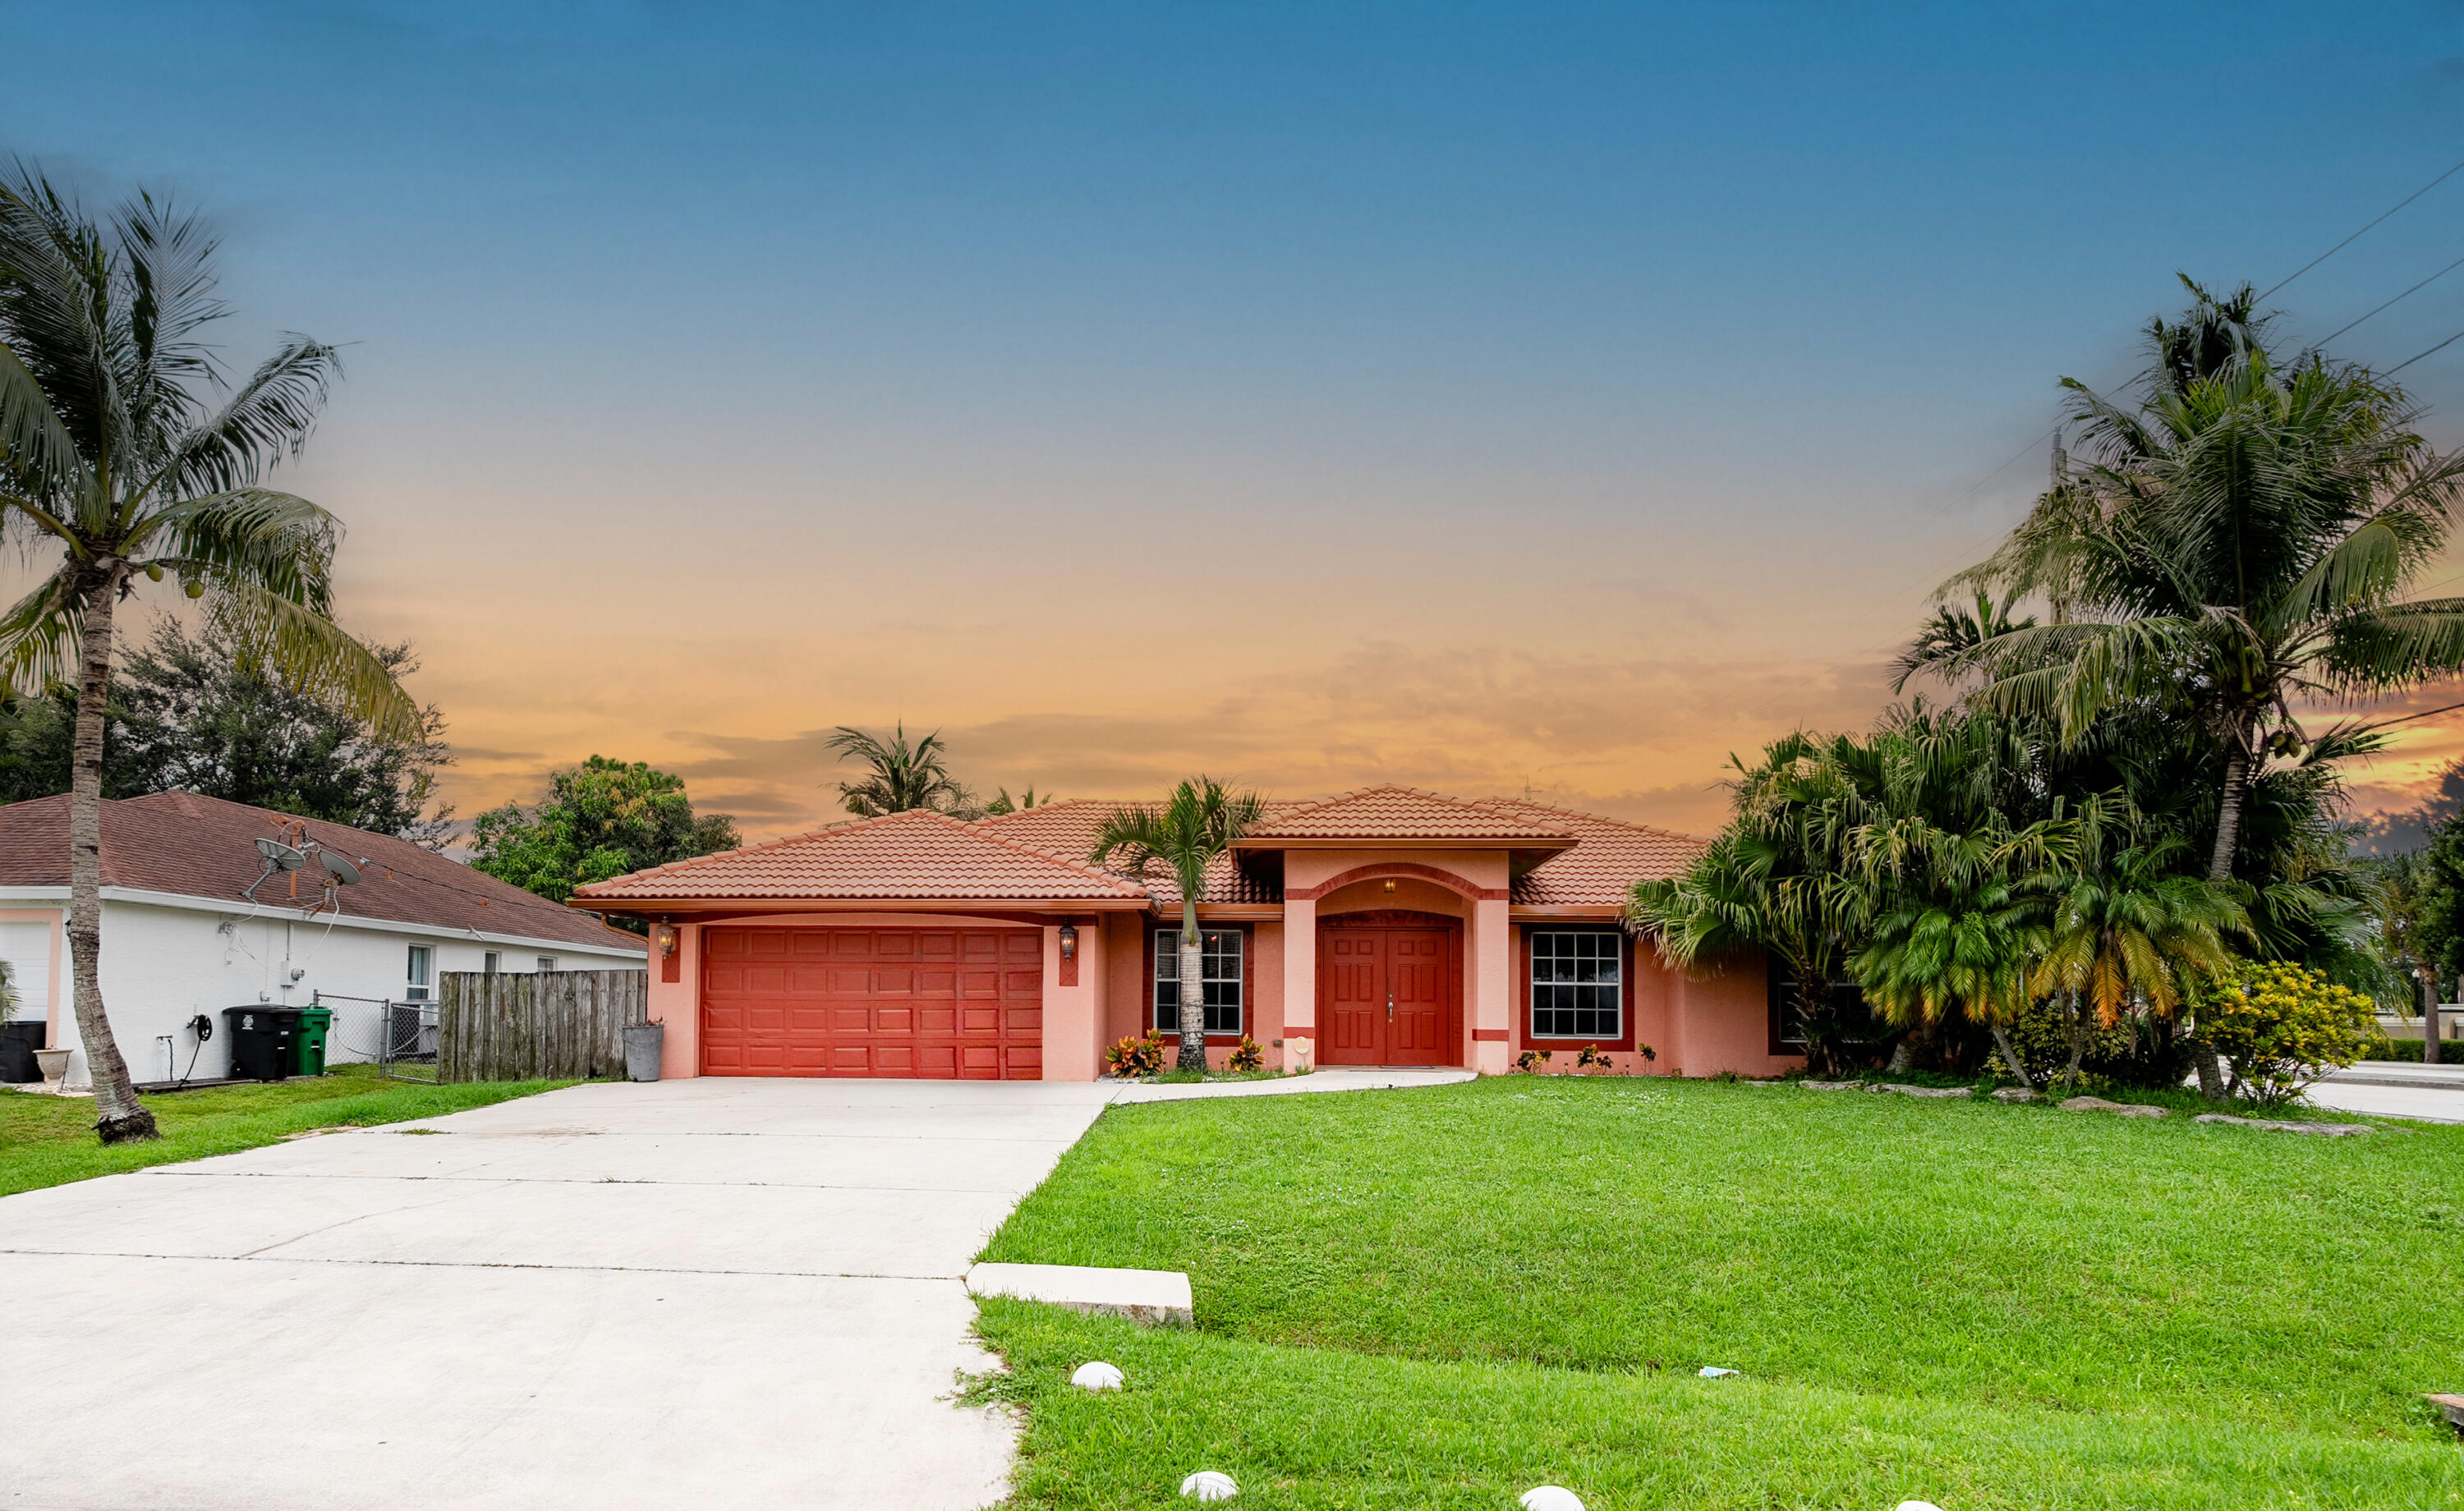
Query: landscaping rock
[
  {"x": 2014, "y": 1094},
  {"x": 2321, "y": 1129},
  {"x": 1097, "y": 1376},
  {"x": 1209, "y": 1484},
  {"x": 1833, "y": 1085},
  {"x": 1927, "y": 1091},
  {"x": 1551, "y": 1497},
  {"x": 2119, "y": 1110}
]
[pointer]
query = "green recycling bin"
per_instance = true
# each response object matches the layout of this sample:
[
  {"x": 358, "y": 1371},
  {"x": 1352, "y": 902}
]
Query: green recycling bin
[{"x": 308, "y": 1045}]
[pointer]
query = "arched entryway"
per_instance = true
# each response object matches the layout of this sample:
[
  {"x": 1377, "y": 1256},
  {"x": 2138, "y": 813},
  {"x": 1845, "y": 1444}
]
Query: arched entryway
[{"x": 1390, "y": 988}]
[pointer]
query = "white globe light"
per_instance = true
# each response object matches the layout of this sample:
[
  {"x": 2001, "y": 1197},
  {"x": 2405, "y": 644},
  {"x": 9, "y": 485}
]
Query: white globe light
[
  {"x": 1551, "y": 1498},
  {"x": 1096, "y": 1375},
  {"x": 1208, "y": 1485}
]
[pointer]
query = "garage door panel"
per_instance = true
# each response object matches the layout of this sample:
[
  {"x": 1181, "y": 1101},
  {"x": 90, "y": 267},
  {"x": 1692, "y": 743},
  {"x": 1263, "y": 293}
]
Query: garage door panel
[{"x": 933, "y": 1003}]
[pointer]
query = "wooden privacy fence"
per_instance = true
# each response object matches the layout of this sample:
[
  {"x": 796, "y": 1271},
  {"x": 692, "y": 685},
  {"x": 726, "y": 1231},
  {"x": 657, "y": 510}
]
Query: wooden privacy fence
[{"x": 555, "y": 1024}]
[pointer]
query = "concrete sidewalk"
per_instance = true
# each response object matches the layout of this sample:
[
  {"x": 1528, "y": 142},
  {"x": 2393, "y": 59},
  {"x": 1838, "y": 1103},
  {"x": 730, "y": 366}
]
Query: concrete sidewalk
[
  {"x": 717, "y": 1292},
  {"x": 2394, "y": 1088}
]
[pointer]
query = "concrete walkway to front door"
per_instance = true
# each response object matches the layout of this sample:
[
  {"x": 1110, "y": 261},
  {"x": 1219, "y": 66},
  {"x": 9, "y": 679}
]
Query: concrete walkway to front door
[{"x": 717, "y": 1292}]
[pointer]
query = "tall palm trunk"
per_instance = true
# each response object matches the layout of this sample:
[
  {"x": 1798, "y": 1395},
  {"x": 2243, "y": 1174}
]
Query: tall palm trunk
[
  {"x": 119, "y": 1116},
  {"x": 2220, "y": 864},
  {"x": 1193, "y": 986}
]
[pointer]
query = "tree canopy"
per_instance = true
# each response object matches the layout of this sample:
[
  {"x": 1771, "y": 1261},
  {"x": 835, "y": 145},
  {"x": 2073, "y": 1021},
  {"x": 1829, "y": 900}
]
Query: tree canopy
[{"x": 599, "y": 819}]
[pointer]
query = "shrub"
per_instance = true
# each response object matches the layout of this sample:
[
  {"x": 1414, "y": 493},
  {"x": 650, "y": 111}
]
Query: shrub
[
  {"x": 2280, "y": 1025},
  {"x": 1138, "y": 1054},
  {"x": 1590, "y": 1057},
  {"x": 2450, "y": 1051},
  {"x": 1247, "y": 1056},
  {"x": 2139, "y": 1051},
  {"x": 1531, "y": 1060}
]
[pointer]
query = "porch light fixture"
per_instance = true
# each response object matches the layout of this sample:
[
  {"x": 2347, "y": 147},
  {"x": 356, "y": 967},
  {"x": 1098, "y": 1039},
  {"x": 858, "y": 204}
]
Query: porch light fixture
[
  {"x": 1068, "y": 941},
  {"x": 666, "y": 935},
  {"x": 1390, "y": 886}
]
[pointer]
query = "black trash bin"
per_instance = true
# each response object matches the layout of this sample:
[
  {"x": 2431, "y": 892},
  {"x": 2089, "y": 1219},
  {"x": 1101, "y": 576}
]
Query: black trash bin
[
  {"x": 260, "y": 1040},
  {"x": 18, "y": 1042}
]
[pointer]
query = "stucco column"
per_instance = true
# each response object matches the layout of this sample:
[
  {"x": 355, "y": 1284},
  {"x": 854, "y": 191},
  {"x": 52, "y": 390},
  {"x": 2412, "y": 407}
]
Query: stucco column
[
  {"x": 677, "y": 1004},
  {"x": 1492, "y": 997},
  {"x": 1300, "y": 983},
  {"x": 1073, "y": 1018}
]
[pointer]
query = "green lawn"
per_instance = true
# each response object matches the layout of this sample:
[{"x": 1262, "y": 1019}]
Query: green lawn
[
  {"x": 1438, "y": 1297},
  {"x": 49, "y": 1141}
]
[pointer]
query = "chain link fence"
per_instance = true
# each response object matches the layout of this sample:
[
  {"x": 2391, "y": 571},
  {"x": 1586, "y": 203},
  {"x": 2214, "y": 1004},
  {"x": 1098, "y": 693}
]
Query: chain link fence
[{"x": 397, "y": 1037}]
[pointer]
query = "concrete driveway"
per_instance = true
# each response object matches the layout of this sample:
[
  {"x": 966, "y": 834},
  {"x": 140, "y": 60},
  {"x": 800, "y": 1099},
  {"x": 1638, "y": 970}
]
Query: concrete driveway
[{"x": 723, "y": 1292}]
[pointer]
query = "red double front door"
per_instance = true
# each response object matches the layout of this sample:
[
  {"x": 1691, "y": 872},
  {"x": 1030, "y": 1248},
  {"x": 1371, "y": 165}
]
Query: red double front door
[{"x": 1387, "y": 995}]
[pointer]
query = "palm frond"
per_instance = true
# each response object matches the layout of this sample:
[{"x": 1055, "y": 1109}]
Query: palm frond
[
  {"x": 315, "y": 656},
  {"x": 40, "y": 637}
]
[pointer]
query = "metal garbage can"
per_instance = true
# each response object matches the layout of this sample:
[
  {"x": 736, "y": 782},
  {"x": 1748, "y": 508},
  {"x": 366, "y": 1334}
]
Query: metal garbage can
[
  {"x": 308, "y": 1041},
  {"x": 644, "y": 1043},
  {"x": 260, "y": 1040}
]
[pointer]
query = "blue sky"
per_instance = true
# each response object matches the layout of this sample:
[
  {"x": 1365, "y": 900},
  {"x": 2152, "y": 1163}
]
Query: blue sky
[{"x": 1477, "y": 395}]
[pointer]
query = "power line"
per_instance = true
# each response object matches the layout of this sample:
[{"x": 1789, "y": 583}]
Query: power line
[
  {"x": 2418, "y": 356},
  {"x": 2357, "y": 235},
  {"x": 2405, "y": 295}
]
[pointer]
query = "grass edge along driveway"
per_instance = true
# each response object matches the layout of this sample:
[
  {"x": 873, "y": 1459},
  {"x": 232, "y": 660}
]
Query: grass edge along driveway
[
  {"x": 50, "y": 1141},
  {"x": 2014, "y": 1306}
]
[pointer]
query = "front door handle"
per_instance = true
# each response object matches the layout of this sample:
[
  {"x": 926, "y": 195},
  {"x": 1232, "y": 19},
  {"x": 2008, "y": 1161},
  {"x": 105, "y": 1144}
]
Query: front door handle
[{"x": 1390, "y": 1007}]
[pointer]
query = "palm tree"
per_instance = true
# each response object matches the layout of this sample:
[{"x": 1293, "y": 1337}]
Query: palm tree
[
  {"x": 1002, "y": 803},
  {"x": 903, "y": 776},
  {"x": 1186, "y": 832},
  {"x": 1775, "y": 880},
  {"x": 2128, "y": 930},
  {"x": 2239, "y": 546},
  {"x": 122, "y": 445}
]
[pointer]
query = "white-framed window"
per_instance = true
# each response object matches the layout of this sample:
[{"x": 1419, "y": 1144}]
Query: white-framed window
[
  {"x": 547, "y": 962},
  {"x": 1220, "y": 961},
  {"x": 1578, "y": 985},
  {"x": 420, "y": 976}
]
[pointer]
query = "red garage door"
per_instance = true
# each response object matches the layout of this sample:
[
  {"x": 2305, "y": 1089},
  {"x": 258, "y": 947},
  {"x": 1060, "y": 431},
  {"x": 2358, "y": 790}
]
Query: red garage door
[{"x": 936, "y": 1003}]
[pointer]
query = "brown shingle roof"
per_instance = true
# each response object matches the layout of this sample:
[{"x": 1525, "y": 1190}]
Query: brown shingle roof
[
  {"x": 912, "y": 854},
  {"x": 178, "y": 841},
  {"x": 1406, "y": 812}
]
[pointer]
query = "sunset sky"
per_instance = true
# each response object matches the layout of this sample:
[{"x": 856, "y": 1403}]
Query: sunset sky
[{"x": 1488, "y": 398}]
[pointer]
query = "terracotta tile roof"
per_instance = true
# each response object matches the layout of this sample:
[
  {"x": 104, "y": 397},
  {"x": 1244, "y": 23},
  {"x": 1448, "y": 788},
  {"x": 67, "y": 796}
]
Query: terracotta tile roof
[
  {"x": 178, "y": 841},
  {"x": 911, "y": 855},
  {"x": 1610, "y": 855},
  {"x": 1068, "y": 830},
  {"x": 1407, "y": 813}
]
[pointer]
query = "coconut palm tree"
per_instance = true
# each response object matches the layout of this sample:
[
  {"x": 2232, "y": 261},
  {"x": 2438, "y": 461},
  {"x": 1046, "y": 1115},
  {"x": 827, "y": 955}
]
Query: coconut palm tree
[
  {"x": 1185, "y": 832},
  {"x": 123, "y": 447},
  {"x": 2237, "y": 546},
  {"x": 902, "y": 776},
  {"x": 2129, "y": 931}
]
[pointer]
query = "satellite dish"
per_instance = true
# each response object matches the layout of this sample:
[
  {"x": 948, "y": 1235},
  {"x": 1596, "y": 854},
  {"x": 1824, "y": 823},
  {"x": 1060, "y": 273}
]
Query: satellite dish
[
  {"x": 343, "y": 871},
  {"x": 281, "y": 856}
]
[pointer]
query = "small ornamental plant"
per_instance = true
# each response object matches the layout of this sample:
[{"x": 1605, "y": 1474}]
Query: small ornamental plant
[
  {"x": 2281, "y": 1026},
  {"x": 1531, "y": 1060},
  {"x": 1138, "y": 1056},
  {"x": 1591, "y": 1059},
  {"x": 1247, "y": 1056}
]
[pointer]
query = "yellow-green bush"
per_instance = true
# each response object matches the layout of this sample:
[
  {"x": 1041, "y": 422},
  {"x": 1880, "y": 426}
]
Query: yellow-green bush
[{"x": 2280, "y": 1025}]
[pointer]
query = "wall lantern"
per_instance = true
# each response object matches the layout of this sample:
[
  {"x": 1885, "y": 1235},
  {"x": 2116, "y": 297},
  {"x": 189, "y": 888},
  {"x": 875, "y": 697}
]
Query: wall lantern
[
  {"x": 1068, "y": 941},
  {"x": 1390, "y": 886},
  {"x": 666, "y": 935}
]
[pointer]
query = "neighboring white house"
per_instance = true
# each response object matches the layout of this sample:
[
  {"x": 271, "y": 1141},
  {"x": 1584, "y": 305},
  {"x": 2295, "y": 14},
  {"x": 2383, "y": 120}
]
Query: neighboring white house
[{"x": 180, "y": 937}]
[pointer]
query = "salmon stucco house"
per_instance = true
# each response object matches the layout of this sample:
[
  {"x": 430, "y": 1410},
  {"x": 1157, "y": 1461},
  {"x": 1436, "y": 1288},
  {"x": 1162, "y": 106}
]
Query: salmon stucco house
[{"x": 1383, "y": 927}]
